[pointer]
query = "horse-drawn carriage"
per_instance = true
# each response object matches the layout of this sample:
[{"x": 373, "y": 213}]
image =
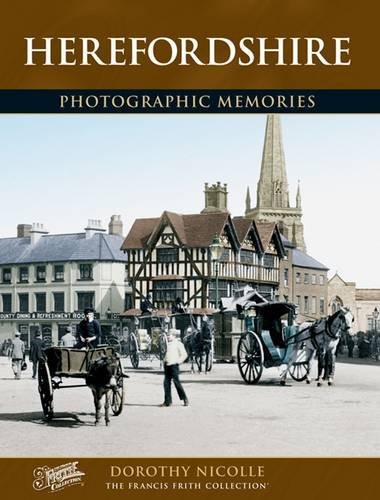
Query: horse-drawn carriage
[
  {"x": 269, "y": 340},
  {"x": 63, "y": 362},
  {"x": 147, "y": 335}
]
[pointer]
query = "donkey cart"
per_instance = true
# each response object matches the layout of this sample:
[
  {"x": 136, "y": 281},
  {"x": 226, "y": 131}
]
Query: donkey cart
[
  {"x": 62, "y": 362},
  {"x": 268, "y": 342}
]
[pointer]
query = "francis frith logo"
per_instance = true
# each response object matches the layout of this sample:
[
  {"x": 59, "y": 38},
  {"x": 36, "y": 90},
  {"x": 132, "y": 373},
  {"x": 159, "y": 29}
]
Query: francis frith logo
[{"x": 57, "y": 478}]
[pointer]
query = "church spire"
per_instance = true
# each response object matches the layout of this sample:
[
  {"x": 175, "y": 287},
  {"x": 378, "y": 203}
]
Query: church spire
[
  {"x": 298, "y": 197},
  {"x": 248, "y": 201},
  {"x": 272, "y": 188}
]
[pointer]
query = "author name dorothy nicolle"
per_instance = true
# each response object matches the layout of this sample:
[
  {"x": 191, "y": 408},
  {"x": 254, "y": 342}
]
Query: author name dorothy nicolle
[
  {"x": 184, "y": 471},
  {"x": 184, "y": 102}
]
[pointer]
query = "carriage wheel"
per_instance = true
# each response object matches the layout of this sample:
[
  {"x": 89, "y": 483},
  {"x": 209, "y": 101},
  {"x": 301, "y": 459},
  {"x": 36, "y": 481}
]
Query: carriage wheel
[
  {"x": 300, "y": 368},
  {"x": 250, "y": 357},
  {"x": 118, "y": 392},
  {"x": 45, "y": 388},
  {"x": 134, "y": 351}
]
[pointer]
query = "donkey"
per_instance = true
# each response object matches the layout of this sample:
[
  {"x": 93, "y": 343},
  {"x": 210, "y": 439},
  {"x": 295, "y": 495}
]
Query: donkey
[
  {"x": 320, "y": 338},
  {"x": 101, "y": 380}
]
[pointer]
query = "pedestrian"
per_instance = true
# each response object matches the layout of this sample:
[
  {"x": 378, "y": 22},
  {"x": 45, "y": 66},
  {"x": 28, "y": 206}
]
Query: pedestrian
[
  {"x": 68, "y": 340},
  {"x": 17, "y": 353},
  {"x": 90, "y": 331},
  {"x": 175, "y": 355},
  {"x": 36, "y": 352}
]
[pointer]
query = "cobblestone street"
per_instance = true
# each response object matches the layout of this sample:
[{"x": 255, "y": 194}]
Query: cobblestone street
[{"x": 226, "y": 417}]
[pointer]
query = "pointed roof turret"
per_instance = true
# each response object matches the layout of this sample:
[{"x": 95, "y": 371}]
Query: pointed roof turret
[
  {"x": 298, "y": 197},
  {"x": 248, "y": 201},
  {"x": 272, "y": 189}
]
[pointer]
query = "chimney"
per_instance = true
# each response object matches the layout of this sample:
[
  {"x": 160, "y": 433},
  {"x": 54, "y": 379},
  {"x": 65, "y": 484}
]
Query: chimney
[
  {"x": 23, "y": 230},
  {"x": 215, "y": 198},
  {"x": 115, "y": 225},
  {"x": 36, "y": 232},
  {"x": 93, "y": 226}
]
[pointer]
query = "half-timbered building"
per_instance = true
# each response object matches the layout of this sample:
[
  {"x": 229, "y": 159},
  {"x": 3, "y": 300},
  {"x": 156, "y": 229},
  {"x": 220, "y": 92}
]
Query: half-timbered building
[{"x": 169, "y": 257}]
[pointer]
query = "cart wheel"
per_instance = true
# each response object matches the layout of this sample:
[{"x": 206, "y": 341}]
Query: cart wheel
[
  {"x": 300, "y": 368},
  {"x": 162, "y": 346},
  {"x": 45, "y": 389},
  {"x": 118, "y": 392},
  {"x": 250, "y": 357},
  {"x": 134, "y": 351}
]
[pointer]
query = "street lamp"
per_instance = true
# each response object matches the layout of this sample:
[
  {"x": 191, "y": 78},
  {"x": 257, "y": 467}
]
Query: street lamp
[
  {"x": 375, "y": 316},
  {"x": 216, "y": 250}
]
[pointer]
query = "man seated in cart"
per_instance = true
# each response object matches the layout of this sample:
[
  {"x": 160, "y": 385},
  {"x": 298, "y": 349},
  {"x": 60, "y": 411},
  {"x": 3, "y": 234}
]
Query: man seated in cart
[{"x": 89, "y": 330}]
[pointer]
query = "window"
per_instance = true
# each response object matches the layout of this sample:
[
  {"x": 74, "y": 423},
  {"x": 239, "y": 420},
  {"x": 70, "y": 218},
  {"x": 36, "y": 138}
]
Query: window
[
  {"x": 314, "y": 305},
  {"x": 298, "y": 300},
  {"x": 167, "y": 254},
  {"x": 128, "y": 302},
  {"x": 225, "y": 257},
  {"x": 85, "y": 299},
  {"x": 7, "y": 275},
  {"x": 23, "y": 275},
  {"x": 306, "y": 278},
  {"x": 321, "y": 279},
  {"x": 167, "y": 291},
  {"x": 322, "y": 306},
  {"x": 85, "y": 272},
  {"x": 41, "y": 274},
  {"x": 59, "y": 272},
  {"x": 286, "y": 277},
  {"x": 41, "y": 302},
  {"x": 268, "y": 260},
  {"x": 59, "y": 301},
  {"x": 246, "y": 257},
  {"x": 313, "y": 279},
  {"x": 7, "y": 302},
  {"x": 222, "y": 290},
  {"x": 298, "y": 278},
  {"x": 23, "y": 300},
  {"x": 306, "y": 304}
]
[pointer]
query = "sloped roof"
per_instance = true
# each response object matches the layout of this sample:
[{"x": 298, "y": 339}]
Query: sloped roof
[
  {"x": 62, "y": 248},
  {"x": 367, "y": 294},
  {"x": 140, "y": 233},
  {"x": 301, "y": 259},
  {"x": 193, "y": 230},
  {"x": 266, "y": 230},
  {"x": 242, "y": 226}
]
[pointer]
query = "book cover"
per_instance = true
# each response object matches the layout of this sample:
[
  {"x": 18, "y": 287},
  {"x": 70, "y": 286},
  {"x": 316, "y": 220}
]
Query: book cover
[{"x": 189, "y": 180}]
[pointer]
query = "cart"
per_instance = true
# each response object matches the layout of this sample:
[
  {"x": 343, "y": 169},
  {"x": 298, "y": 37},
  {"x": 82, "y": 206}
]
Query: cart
[{"x": 63, "y": 362}]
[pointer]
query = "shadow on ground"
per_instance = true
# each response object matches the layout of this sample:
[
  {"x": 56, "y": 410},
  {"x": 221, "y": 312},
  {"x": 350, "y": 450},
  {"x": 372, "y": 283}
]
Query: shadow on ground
[{"x": 64, "y": 419}]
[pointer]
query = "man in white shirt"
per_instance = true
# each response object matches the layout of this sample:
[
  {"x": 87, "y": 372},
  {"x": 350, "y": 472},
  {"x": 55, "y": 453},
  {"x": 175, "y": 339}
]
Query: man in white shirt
[
  {"x": 68, "y": 340},
  {"x": 175, "y": 355}
]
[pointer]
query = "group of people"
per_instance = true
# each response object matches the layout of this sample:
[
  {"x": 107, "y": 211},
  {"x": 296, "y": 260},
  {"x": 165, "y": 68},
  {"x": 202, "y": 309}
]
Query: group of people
[{"x": 89, "y": 333}]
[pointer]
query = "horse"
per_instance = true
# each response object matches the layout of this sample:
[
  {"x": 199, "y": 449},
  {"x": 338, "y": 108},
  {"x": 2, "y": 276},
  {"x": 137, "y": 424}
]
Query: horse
[
  {"x": 320, "y": 338},
  {"x": 198, "y": 344},
  {"x": 101, "y": 380}
]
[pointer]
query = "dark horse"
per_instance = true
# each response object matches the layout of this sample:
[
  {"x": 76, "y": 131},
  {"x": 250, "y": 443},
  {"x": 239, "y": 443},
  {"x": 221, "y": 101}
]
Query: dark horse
[
  {"x": 101, "y": 380},
  {"x": 199, "y": 345}
]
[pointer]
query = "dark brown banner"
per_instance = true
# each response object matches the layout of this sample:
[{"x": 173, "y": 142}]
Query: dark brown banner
[
  {"x": 264, "y": 478},
  {"x": 148, "y": 47}
]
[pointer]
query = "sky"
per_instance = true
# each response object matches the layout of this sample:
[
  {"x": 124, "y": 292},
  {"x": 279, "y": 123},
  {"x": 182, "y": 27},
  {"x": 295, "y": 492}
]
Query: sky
[{"x": 61, "y": 170}]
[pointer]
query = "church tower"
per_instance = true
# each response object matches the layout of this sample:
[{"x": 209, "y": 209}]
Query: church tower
[{"x": 272, "y": 204}]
